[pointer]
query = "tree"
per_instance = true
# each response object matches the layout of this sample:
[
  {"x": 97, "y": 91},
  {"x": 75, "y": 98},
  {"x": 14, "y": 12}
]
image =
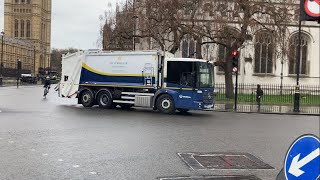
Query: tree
[
  {"x": 56, "y": 58},
  {"x": 230, "y": 24}
]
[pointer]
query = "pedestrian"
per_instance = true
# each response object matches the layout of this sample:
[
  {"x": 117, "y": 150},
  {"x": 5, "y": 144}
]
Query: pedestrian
[{"x": 259, "y": 95}]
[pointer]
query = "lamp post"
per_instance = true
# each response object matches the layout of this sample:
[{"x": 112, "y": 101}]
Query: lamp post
[
  {"x": 134, "y": 31},
  {"x": 1, "y": 64}
]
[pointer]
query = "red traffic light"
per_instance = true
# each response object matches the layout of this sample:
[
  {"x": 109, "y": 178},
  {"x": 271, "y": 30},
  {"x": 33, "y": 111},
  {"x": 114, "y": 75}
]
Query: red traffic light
[{"x": 234, "y": 53}]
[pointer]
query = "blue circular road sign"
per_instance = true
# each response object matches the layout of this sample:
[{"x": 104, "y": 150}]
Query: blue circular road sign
[{"x": 303, "y": 159}]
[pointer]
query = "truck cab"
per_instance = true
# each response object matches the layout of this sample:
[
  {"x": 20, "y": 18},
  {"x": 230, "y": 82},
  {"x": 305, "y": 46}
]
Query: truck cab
[{"x": 190, "y": 84}]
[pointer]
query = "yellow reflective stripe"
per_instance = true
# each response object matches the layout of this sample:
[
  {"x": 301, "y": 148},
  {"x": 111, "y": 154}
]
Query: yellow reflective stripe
[{"x": 175, "y": 88}]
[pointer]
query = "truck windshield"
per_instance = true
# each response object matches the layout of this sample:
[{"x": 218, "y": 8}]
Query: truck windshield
[{"x": 204, "y": 75}]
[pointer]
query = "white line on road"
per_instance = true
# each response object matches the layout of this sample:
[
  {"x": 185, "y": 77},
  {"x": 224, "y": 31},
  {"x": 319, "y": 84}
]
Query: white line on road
[
  {"x": 11, "y": 142},
  {"x": 60, "y": 160},
  {"x": 33, "y": 150},
  {"x": 76, "y": 166},
  {"x": 44, "y": 154},
  {"x": 93, "y": 173}
]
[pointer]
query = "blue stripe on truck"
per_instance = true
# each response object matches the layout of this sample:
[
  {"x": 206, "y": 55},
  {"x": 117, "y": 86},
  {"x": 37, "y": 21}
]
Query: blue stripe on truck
[{"x": 88, "y": 77}]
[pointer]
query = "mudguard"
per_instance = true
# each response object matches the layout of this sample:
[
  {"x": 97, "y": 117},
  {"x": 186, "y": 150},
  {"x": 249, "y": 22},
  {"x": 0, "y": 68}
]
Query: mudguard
[{"x": 174, "y": 94}]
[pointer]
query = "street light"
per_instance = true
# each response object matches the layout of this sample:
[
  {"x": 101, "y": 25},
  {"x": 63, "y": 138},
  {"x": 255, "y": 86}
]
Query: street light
[
  {"x": 134, "y": 31},
  {"x": 1, "y": 64}
]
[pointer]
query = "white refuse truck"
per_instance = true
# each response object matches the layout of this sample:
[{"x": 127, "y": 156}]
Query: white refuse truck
[{"x": 141, "y": 79}]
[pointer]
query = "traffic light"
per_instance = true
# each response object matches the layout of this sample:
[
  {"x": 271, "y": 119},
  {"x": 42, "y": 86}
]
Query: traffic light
[{"x": 235, "y": 61}]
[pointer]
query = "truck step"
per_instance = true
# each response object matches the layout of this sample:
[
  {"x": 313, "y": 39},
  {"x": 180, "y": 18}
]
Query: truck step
[
  {"x": 137, "y": 94},
  {"x": 123, "y": 102},
  {"x": 128, "y": 97}
]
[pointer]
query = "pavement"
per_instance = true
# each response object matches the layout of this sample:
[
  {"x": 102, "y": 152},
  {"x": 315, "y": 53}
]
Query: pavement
[
  {"x": 55, "y": 138},
  {"x": 269, "y": 109}
]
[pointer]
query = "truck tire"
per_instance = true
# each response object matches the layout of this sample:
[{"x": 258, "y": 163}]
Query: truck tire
[
  {"x": 165, "y": 104},
  {"x": 104, "y": 100},
  {"x": 87, "y": 98}
]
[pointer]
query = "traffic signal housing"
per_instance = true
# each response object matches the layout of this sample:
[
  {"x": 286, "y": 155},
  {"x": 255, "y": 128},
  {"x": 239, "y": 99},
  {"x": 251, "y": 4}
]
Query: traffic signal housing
[{"x": 235, "y": 59}]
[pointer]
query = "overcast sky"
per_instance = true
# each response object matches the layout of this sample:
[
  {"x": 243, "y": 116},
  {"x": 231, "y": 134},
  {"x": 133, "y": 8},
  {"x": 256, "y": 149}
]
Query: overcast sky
[{"x": 75, "y": 23}]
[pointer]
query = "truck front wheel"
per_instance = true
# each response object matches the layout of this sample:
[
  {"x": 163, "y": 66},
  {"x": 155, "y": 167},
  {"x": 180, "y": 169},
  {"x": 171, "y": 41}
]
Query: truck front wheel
[
  {"x": 87, "y": 98},
  {"x": 105, "y": 100},
  {"x": 165, "y": 104}
]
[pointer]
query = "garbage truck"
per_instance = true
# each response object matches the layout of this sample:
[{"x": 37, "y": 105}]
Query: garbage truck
[{"x": 151, "y": 79}]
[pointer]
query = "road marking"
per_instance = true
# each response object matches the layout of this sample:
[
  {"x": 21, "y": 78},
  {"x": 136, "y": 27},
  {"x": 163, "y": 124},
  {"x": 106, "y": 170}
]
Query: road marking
[
  {"x": 11, "y": 142},
  {"x": 76, "y": 166},
  {"x": 93, "y": 173},
  {"x": 33, "y": 150},
  {"x": 60, "y": 160},
  {"x": 44, "y": 154}
]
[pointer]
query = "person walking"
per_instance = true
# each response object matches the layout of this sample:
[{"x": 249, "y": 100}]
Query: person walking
[{"x": 259, "y": 94}]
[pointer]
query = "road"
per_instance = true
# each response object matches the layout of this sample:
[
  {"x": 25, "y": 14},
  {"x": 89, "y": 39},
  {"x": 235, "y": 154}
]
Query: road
[{"x": 55, "y": 138}]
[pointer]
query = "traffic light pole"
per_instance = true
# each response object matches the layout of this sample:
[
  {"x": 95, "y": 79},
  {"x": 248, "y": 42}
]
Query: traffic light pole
[{"x": 236, "y": 93}]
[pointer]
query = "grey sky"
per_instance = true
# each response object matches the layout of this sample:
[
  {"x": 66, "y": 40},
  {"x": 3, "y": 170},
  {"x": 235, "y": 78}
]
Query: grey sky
[{"x": 75, "y": 23}]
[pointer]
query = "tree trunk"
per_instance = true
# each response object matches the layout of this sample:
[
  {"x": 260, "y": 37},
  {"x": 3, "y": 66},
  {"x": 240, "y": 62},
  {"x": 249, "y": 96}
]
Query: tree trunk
[{"x": 228, "y": 76}]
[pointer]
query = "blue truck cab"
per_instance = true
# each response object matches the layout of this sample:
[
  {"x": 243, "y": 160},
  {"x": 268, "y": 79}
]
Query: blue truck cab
[{"x": 190, "y": 83}]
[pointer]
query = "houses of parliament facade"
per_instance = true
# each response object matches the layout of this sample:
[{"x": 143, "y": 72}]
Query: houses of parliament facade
[{"x": 26, "y": 37}]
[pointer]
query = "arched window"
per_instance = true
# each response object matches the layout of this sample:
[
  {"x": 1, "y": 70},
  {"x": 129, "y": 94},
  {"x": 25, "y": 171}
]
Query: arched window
[
  {"x": 28, "y": 29},
  {"x": 22, "y": 28},
  {"x": 188, "y": 47},
  {"x": 185, "y": 48},
  {"x": 191, "y": 49},
  {"x": 293, "y": 53},
  {"x": 16, "y": 28},
  {"x": 222, "y": 55},
  {"x": 263, "y": 52}
]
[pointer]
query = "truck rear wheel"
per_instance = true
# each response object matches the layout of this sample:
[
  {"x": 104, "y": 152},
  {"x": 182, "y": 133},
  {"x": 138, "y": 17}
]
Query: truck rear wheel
[
  {"x": 165, "y": 104},
  {"x": 87, "y": 98},
  {"x": 105, "y": 100}
]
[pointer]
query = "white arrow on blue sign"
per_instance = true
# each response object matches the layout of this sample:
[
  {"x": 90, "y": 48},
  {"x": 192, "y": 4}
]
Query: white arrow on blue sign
[{"x": 303, "y": 159}]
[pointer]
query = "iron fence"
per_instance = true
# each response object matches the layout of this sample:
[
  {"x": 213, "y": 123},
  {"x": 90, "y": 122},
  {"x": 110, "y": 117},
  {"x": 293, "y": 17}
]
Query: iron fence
[{"x": 274, "y": 94}]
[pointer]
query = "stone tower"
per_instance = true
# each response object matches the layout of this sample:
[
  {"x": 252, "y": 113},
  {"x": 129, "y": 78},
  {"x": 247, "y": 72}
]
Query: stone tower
[{"x": 30, "y": 20}]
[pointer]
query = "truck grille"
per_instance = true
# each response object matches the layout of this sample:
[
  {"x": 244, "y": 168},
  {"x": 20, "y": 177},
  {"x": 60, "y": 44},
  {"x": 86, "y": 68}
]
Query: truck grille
[{"x": 208, "y": 97}]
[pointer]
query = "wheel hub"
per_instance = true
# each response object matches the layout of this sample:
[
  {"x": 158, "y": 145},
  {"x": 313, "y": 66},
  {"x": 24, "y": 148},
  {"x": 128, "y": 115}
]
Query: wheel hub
[
  {"x": 166, "y": 104},
  {"x": 86, "y": 98},
  {"x": 104, "y": 100}
]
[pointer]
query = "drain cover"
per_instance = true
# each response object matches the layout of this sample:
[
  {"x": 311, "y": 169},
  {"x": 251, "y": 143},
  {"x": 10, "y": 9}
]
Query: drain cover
[
  {"x": 228, "y": 161},
  {"x": 213, "y": 178}
]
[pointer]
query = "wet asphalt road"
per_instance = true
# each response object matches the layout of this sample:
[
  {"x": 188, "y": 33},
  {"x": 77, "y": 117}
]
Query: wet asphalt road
[{"x": 56, "y": 139}]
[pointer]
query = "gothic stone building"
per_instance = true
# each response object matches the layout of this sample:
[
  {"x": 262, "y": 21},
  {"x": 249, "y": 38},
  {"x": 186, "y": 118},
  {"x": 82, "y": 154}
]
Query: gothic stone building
[
  {"x": 28, "y": 21},
  {"x": 259, "y": 62}
]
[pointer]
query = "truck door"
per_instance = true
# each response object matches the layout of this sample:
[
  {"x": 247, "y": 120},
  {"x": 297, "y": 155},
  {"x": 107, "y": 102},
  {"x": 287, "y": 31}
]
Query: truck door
[{"x": 186, "y": 92}]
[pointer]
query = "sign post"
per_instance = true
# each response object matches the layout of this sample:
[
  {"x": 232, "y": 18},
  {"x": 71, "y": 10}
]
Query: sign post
[
  {"x": 309, "y": 11},
  {"x": 235, "y": 59}
]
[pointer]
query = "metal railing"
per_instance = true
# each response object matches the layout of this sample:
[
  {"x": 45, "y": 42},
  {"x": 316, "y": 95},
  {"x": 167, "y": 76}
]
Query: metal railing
[{"x": 274, "y": 94}]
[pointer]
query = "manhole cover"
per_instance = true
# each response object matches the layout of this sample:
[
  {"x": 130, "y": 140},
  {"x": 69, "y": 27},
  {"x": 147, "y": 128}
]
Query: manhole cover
[
  {"x": 213, "y": 178},
  {"x": 229, "y": 161}
]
